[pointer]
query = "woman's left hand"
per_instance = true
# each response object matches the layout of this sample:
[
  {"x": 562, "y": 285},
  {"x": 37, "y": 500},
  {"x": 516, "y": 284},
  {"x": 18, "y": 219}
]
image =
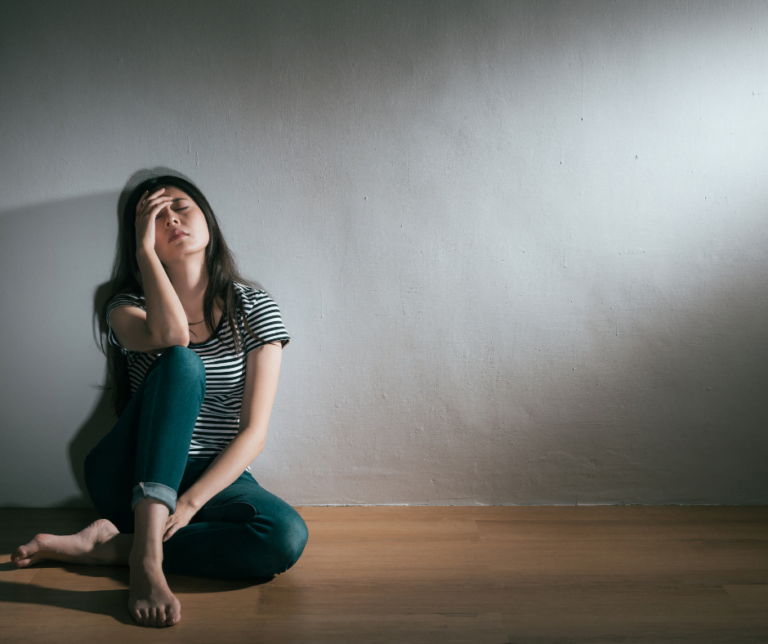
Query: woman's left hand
[{"x": 183, "y": 515}]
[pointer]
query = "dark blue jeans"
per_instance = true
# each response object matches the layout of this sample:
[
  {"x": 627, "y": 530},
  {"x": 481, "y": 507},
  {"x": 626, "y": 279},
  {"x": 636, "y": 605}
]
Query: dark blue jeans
[{"x": 243, "y": 532}]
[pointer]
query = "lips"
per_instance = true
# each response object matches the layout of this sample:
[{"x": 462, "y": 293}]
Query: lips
[{"x": 178, "y": 233}]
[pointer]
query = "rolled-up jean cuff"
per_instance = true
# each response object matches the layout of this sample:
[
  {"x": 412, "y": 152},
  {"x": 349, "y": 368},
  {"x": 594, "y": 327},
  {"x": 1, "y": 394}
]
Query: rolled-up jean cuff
[{"x": 157, "y": 491}]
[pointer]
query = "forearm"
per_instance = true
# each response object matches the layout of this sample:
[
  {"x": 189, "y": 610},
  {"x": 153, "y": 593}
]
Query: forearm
[
  {"x": 263, "y": 367},
  {"x": 226, "y": 468},
  {"x": 166, "y": 318}
]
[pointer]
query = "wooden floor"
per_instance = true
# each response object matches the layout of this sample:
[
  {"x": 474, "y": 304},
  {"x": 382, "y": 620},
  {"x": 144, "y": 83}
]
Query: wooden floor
[{"x": 434, "y": 574}]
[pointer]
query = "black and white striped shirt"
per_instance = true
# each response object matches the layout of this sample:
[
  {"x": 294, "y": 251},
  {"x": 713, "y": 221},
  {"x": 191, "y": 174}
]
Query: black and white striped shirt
[{"x": 219, "y": 419}]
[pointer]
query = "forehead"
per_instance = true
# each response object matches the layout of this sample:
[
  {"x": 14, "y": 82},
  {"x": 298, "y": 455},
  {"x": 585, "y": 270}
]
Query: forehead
[{"x": 176, "y": 193}]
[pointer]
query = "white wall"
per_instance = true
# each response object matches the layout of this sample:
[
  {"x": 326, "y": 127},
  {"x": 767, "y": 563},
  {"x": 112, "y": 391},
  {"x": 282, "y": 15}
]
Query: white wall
[{"x": 520, "y": 246}]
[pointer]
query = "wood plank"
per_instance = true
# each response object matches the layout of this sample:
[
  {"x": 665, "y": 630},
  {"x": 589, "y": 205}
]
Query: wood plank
[
  {"x": 752, "y": 597},
  {"x": 434, "y": 574}
]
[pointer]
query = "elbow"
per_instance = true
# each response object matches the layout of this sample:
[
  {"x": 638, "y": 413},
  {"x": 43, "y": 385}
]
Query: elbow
[
  {"x": 177, "y": 338},
  {"x": 182, "y": 340},
  {"x": 260, "y": 447},
  {"x": 257, "y": 447}
]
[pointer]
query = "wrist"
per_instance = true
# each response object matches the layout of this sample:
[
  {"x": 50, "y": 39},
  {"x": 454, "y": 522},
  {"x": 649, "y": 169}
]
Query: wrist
[
  {"x": 145, "y": 250},
  {"x": 189, "y": 501}
]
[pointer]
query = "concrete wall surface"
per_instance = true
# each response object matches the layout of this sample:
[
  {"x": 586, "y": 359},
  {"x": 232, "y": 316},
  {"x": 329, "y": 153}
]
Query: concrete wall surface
[{"x": 521, "y": 247}]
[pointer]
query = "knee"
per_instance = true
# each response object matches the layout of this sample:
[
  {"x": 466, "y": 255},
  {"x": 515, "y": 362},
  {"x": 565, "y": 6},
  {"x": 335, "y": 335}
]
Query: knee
[
  {"x": 293, "y": 537},
  {"x": 185, "y": 362},
  {"x": 288, "y": 538},
  {"x": 183, "y": 358}
]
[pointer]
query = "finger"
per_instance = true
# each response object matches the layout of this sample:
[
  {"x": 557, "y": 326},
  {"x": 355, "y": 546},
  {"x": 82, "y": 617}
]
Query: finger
[
  {"x": 158, "y": 208},
  {"x": 144, "y": 205},
  {"x": 156, "y": 200},
  {"x": 151, "y": 210},
  {"x": 146, "y": 198}
]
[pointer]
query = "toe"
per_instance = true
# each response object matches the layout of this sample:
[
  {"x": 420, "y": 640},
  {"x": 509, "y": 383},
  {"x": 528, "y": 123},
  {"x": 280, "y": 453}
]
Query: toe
[
  {"x": 135, "y": 614},
  {"x": 19, "y": 553},
  {"x": 25, "y": 560},
  {"x": 27, "y": 554},
  {"x": 173, "y": 615}
]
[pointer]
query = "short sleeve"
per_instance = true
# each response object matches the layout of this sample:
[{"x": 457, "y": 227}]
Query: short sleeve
[
  {"x": 263, "y": 317},
  {"x": 124, "y": 299}
]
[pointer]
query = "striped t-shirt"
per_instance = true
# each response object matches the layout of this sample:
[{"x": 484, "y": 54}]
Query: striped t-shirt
[{"x": 219, "y": 419}]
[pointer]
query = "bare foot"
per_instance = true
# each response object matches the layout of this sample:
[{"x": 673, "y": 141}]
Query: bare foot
[
  {"x": 150, "y": 600},
  {"x": 85, "y": 547}
]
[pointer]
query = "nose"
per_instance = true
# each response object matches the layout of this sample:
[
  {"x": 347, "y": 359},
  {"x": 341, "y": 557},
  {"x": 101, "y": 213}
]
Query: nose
[{"x": 170, "y": 217}]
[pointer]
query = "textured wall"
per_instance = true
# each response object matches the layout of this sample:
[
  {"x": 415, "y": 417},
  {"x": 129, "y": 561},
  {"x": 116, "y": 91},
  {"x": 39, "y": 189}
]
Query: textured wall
[{"x": 521, "y": 246}]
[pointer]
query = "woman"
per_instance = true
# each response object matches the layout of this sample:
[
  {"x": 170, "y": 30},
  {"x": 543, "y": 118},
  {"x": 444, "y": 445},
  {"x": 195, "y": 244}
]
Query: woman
[{"x": 194, "y": 356}]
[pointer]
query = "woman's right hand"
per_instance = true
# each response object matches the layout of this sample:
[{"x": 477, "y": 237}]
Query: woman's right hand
[{"x": 147, "y": 209}]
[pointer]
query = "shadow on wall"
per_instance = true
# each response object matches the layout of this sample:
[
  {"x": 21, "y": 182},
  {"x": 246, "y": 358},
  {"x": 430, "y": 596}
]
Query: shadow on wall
[
  {"x": 49, "y": 256},
  {"x": 651, "y": 393},
  {"x": 103, "y": 415},
  {"x": 57, "y": 248}
]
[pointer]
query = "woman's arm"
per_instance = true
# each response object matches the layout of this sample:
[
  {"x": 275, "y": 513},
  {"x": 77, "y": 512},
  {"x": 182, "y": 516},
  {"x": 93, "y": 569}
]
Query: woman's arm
[
  {"x": 159, "y": 327},
  {"x": 261, "y": 375},
  {"x": 164, "y": 323},
  {"x": 166, "y": 320}
]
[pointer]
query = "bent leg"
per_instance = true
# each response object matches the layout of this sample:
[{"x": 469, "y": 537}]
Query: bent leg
[
  {"x": 98, "y": 543},
  {"x": 150, "y": 600},
  {"x": 126, "y": 457},
  {"x": 145, "y": 453},
  {"x": 244, "y": 532}
]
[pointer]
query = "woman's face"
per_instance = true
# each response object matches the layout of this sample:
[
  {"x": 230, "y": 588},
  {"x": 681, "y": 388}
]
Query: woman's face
[{"x": 180, "y": 228}]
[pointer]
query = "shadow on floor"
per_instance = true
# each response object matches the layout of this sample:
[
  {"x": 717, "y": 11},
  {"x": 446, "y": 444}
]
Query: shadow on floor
[
  {"x": 99, "y": 602},
  {"x": 112, "y": 601}
]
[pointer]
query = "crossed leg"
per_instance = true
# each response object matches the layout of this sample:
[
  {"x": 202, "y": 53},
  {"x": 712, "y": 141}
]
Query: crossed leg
[
  {"x": 242, "y": 532},
  {"x": 99, "y": 543},
  {"x": 133, "y": 475},
  {"x": 150, "y": 600}
]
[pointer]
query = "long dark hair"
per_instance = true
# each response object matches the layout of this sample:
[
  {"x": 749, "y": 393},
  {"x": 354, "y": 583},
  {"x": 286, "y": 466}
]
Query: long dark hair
[{"x": 126, "y": 278}]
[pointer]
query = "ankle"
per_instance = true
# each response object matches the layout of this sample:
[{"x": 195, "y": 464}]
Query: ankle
[{"x": 146, "y": 557}]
